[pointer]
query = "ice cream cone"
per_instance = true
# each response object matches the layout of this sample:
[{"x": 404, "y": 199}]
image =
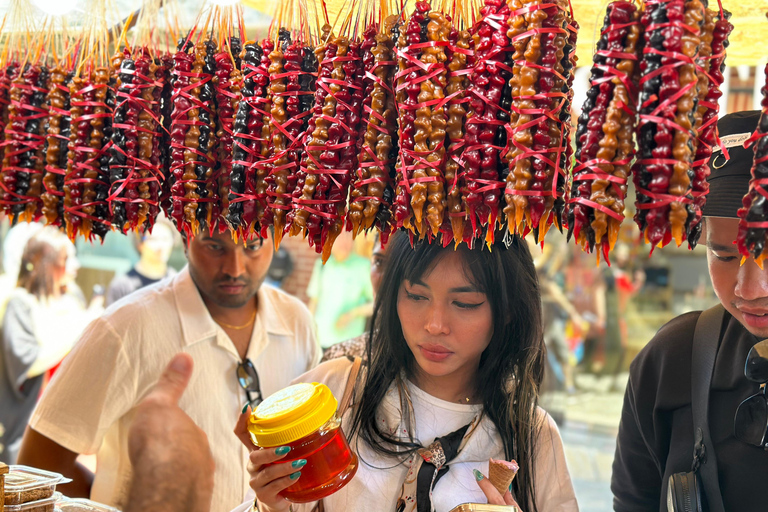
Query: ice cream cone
[{"x": 501, "y": 473}]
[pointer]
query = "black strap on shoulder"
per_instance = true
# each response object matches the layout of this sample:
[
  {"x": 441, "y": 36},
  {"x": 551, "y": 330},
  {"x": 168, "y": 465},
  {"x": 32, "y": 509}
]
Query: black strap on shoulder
[{"x": 706, "y": 339}]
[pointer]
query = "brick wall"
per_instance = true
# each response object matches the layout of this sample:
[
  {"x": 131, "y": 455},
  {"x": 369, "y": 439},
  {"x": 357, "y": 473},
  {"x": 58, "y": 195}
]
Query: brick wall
[{"x": 303, "y": 262}]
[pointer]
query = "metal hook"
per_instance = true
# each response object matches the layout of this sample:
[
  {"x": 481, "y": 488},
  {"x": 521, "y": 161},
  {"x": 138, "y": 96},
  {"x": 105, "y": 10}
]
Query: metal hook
[{"x": 714, "y": 162}]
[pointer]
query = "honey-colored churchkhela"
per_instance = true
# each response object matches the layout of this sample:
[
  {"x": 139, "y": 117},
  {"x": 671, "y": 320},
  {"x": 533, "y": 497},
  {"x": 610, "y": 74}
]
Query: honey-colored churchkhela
[
  {"x": 276, "y": 158},
  {"x": 455, "y": 89},
  {"x": 538, "y": 135},
  {"x": 526, "y": 41},
  {"x": 682, "y": 213},
  {"x": 438, "y": 31},
  {"x": 550, "y": 136},
  {"x": 55, "y": 149},
  {"x": 23, "y": 162}
]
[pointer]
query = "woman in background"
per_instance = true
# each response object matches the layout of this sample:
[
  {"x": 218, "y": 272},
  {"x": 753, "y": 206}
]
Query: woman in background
[{"x": 40, "y": 325}]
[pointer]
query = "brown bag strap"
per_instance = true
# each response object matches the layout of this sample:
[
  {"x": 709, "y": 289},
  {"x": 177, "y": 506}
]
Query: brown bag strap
[
  {"x": 346, "y": 401},
  {"x": 349, "y": 390}
]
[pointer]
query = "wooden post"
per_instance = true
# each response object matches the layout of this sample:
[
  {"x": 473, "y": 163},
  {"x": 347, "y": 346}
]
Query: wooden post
[{"x": 3, "y": 472}]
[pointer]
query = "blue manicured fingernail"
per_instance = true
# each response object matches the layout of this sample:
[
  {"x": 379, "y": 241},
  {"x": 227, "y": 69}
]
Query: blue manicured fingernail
[
  {"x": 283, "y": 450},
  {"x": 478, "y": 475},
  {"x": 298, "y": 463},
  {"x": 246, "y": 407},
  {"x": 296, "y": 475},
  {"x": 510, "y": 487}
]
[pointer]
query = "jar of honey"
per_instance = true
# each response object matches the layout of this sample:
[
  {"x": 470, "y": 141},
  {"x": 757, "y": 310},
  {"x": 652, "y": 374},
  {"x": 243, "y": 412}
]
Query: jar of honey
[{"x": 303, "y": 417}]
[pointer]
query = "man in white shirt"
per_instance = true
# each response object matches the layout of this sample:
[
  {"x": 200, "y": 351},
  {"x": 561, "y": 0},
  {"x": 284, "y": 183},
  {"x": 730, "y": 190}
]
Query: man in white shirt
[{"x": 217, "y": 311}]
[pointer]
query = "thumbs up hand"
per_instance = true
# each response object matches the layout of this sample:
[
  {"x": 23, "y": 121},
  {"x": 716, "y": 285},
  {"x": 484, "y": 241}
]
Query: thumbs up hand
[{"x": 172, "y": 463}]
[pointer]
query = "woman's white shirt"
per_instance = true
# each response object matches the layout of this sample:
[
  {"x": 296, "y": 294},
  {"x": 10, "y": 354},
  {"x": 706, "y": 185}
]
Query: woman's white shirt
[{"x": 376, "y": 486}]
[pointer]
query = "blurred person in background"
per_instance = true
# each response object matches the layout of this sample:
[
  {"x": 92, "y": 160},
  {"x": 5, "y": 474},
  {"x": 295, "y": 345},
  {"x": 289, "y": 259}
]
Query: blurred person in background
[
  {"x": 155, "y": 250},
  {"x": 355, "y": 347},
  {"x": 620, "y": 283},
  {"x": 557, "y": 309},
  {"x": 40, "y": 325},
  {"x": 340, "y": 293},
  {"x": 280, "y": 268}
]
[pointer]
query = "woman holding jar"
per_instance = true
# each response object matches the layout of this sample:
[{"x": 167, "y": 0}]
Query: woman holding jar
[{"x": 456, "y": 357}]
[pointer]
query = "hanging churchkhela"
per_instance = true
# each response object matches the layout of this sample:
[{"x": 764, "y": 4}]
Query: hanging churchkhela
[
  {"x": 56, "y": 141},
  {"x": 23, "y": 162},
  {"x": 290, "y": 94},
  {"x": 246, "y": 208},
  {"x": 372, "y": 193},
  {"x": 447, "y": 123},
  {"x": 535, "y": 184},
  {"x": 228, "y": 83},
  {"x": 604, "y": 138},
  {"x": 709, "y": 70},
  {"x": 668, "y": 102}
]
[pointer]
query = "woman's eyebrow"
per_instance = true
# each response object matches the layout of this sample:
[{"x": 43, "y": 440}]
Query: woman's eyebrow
[{"x": 464, "y": 289}]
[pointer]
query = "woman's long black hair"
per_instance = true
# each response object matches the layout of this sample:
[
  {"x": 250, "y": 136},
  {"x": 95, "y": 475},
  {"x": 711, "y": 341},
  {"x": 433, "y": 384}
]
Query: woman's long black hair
[{"x": 511, "y": 367}]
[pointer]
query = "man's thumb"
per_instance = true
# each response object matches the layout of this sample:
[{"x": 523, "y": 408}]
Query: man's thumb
[{"x": 174, "y": 380}]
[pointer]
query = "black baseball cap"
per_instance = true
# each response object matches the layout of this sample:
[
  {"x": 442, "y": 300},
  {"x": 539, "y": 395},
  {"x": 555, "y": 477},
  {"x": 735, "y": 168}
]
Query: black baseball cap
[{"x": 729, "y": 178}]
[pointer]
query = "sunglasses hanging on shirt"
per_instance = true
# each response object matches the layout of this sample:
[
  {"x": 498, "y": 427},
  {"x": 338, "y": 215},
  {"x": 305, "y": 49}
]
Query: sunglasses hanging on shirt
[
  {"x": 248, "y": 378},
  {"x": 751, "y": 422}
]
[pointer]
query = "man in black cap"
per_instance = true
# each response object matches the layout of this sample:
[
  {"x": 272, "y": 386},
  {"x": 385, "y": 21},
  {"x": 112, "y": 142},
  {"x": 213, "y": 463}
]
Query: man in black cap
[{"x": 656, "y": 436}]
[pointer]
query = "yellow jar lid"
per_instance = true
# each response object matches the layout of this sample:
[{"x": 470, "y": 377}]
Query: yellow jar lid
[{"x": 291, "y": 413}]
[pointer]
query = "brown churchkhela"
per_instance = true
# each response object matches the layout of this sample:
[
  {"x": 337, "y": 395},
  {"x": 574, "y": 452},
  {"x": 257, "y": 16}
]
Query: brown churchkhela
[
  {"x": 457, "y": 113},
  {"x": 56, "y": 142}
]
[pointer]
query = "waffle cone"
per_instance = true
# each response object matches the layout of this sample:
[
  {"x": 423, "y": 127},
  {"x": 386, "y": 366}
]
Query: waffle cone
[{"x": 501, "y": 475}]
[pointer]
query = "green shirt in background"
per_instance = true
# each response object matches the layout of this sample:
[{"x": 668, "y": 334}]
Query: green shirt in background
[{"x": 340, "y": 287}]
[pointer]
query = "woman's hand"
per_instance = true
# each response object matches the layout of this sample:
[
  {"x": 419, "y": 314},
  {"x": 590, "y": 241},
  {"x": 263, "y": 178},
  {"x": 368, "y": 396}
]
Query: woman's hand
[
  {"x": 267, "y": 481},
  {"x": 494, "y": 498}
]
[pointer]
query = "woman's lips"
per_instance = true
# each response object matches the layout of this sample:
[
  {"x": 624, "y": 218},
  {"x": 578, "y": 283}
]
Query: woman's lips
[{"x": 435, "y": 353}]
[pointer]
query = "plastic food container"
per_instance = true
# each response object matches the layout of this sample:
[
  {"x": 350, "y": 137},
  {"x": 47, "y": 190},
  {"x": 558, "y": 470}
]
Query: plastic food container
[
  {"x": 44, "y": 505},
  {"x": 81, "y": 505},
  {"x": 303, "y": 417},
  {"x": 24, "y": 484}
]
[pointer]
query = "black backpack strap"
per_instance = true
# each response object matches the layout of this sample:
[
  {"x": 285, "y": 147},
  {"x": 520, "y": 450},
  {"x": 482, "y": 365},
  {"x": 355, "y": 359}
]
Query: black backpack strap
[{"x": 706, "y": 339}]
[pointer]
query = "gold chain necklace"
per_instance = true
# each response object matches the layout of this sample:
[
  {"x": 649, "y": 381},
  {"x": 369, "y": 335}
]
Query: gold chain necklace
[{"x": 237, "y": 327}]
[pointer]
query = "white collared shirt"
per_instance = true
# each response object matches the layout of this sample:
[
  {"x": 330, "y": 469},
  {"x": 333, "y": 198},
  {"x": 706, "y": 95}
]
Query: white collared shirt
[{"x": 89, "y": 405}]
